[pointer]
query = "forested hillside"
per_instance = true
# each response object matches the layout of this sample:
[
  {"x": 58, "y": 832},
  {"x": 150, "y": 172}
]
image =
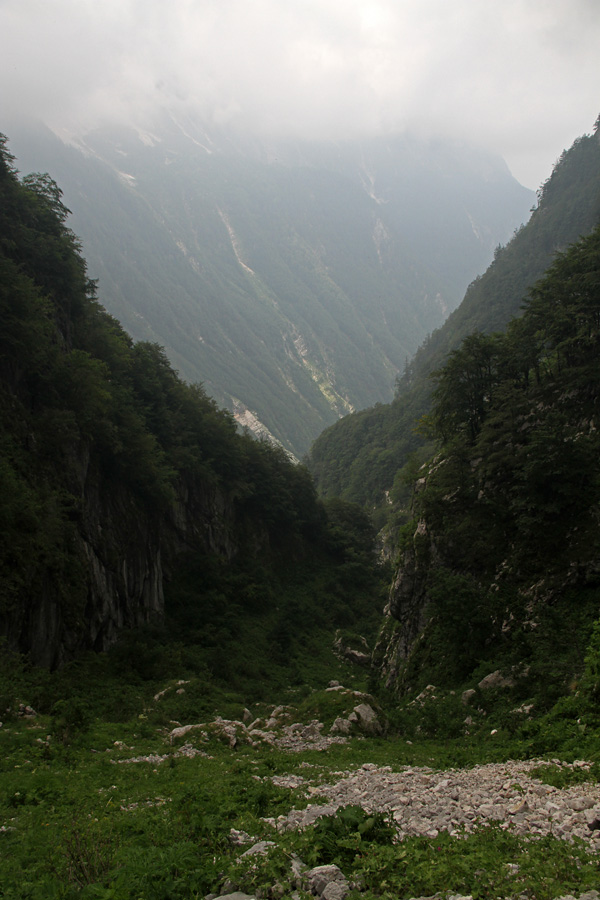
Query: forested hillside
[
  {"x": 360, "y": 457},
  {"x": 292, "y": 279},
  {"x": 125, "y": 491},
  {"x": 500, "y": 565}
]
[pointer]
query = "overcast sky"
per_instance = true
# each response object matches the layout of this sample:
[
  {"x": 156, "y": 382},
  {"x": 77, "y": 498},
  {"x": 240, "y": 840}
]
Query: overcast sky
[{"x": 520, "y": 76}]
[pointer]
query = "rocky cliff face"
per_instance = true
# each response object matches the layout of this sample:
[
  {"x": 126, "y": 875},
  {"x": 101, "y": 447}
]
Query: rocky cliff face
[
  {"x": 123, "y": 552},
  {"x": 112, "y": 469},
  {"x": 407, "y": 610}
]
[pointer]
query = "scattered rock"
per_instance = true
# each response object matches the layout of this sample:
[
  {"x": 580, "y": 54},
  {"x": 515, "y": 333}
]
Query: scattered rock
[
  {"x": 422, "y": 801},
  {"x": 578, "y": 804},
  {"x": 495, "y": 680},
  {"x": 186, "y": 751},
  {"x": 183, "y": 730},
  {"x": 341, "y": 726},
  {"x": 298, "y": 737},
  {"x": 365, "y": 717},
  {"x": 298, "y": 870},
  {"x": 236, "y": 895},
  {"x": 166, "y": 690},
  {"x": 523, "y": 710},
  {"x": 239, "y": 838},
  {"x": 259, "y": 849},
  {"x": 426, "y": 694},
  {"x": 328, "y": 882},
  {"x": 520, "y": 807},
  {"x": 358, "y": 657}
]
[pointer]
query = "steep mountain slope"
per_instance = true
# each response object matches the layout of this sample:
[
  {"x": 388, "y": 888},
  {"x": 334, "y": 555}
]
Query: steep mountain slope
[
  {"x": 501, "y": 562},
  {"x": 292, "y": 280},
  {"x": 359, "y": 457},
  {"x": 122, "y": 485}
]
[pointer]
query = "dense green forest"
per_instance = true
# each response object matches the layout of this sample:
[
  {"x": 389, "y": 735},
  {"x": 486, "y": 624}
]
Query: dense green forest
[
  {"x": 359, "y": 458},
  {"x": 500, "y": 563},
  {"x": 127, "y": 492}
]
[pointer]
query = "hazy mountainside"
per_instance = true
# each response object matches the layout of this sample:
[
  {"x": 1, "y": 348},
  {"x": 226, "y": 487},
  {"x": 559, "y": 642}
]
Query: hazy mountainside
[
  {"x": 501, "y": 562},
  {"x": 208, "y": 752},
  {"x": 359, "y": 457},
  {"x": 127, "y": 493},
  {"x": 293, "y": 280}
]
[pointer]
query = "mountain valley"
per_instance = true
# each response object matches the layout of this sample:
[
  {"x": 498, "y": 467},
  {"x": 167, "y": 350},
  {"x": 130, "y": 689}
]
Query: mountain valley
[
  {"x": 213, "y": 682},
  {"x": 292, "y": 279}
]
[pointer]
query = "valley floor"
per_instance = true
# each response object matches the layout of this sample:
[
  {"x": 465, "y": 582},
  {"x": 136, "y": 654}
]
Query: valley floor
[{"x": 275, "y": 802}]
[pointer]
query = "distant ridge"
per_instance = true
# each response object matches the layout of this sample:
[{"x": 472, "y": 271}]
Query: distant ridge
[
  {"x": 359, "y": 457},
  {"x": 292, "y": 279}
]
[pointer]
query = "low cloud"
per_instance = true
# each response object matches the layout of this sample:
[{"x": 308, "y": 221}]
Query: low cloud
[{"x": 520, "y": 76}]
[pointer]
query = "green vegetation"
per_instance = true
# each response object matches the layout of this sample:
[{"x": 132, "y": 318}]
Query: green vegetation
[
  {"x": 515, "y": 417},
  {"x": 504, "y": 564},
  {"x": 81, "y": 819},
  {"x": 359, "y": 457},
  {"x": 273, "y": 275},
  {"x": 121, "y": 481},
  {"x": 109, "y": 462}
]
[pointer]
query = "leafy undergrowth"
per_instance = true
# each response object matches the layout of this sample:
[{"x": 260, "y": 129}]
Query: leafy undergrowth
[
  {"x": 79, "y": 819},
  {"x": 560, "y": 776},
  {"x": 488, "y": 864}
]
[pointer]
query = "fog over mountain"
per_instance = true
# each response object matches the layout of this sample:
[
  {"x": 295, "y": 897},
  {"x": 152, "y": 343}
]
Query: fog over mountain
[
  {"x": 292, "y": 278},
  {"x": 290, "y": 196},
  {"x": 518, "y": 77}
]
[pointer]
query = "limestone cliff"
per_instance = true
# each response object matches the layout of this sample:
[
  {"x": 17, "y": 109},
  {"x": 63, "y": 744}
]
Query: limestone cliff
[
  {"x": 407, "y": 610},
  {"x": 124, "y": 550}
]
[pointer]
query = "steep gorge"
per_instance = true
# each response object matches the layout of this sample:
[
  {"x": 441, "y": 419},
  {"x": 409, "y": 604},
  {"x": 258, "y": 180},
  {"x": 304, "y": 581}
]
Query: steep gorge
[
  {"x": 292, "y": 279},
  {"x": 360, "y": 457}
]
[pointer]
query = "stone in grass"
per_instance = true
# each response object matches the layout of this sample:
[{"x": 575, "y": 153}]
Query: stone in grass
[
  {"x": 334, "y": 891},
  {"x": 495, "y": 680},
  {"x": 447, "y": 897},
  {"x": 365, "y": 717},
  {"x": 589, "y": 895},
  {"x": 239, "y": 838},
  {"x": 328, "y": 882},
  {"x": 259, "y": 849},
  {"x": 341, "y": 726}
]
